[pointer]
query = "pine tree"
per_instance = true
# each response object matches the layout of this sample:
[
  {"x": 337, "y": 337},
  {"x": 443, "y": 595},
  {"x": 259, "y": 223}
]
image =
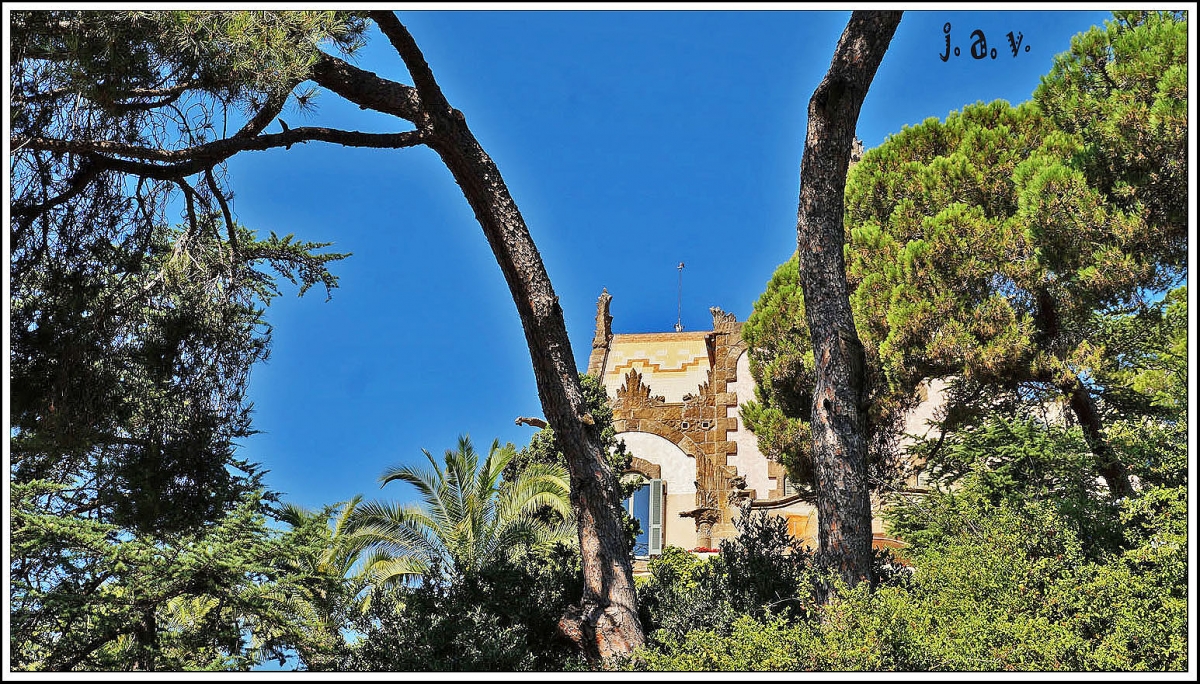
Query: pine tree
[
  {"x": 97, "y": 136},
  {"x": 985, "y": 246},
  {"x": 839, "y": 408}
]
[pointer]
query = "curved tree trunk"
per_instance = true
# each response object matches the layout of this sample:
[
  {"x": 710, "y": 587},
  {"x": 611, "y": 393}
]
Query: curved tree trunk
[
  {"x": 1108, "y": 465},
  {"x": 606, "y": 622},
  {"x": 839, "y": 416},
  {"x": 1082, "y": 403}
]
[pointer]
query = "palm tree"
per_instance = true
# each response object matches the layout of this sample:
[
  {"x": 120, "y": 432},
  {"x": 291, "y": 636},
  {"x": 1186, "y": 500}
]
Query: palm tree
[
  {"x": 468, "y": 516},
  {"x": 326, "y": 582}
]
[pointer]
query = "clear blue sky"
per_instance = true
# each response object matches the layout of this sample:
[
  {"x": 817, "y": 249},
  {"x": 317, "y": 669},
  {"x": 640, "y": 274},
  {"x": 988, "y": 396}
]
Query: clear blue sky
[{"x": 631, "y": 141}]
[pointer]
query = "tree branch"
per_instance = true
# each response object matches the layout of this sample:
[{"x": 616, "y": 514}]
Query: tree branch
[
  {"x": 265, "y": 115},
  {"x": 233, "y": 243},
  {"x": 196, "y": 159},
  {"x": 83, "y": 176},
  {"x": 402, "y": 40},
  {"x": 365, "y": 89}
]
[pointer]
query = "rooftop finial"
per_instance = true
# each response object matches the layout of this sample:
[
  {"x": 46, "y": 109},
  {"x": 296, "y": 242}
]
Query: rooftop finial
[{"x": 679, "y": 319}]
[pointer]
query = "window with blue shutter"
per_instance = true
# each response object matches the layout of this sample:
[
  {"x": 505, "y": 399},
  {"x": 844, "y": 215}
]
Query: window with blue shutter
[
  {"x": 656, "y": 517},
  {"x": 646, "y": 506}
]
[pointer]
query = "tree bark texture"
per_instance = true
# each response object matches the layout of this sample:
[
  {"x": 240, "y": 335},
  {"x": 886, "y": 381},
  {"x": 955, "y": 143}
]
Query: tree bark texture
[
  {"x": 1082, "y": 403},
  {"x": 606, "y": 622},
  {"x": 1109, "y": 467},
  {"x": 839, "y": 414}
]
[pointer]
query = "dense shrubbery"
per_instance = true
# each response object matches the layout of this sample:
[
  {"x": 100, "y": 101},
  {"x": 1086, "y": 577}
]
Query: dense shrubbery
[
  {"x": 762, "y": 570},
  {"x": 1003, "y": 578},
  {"x": 503, "y": 617}
]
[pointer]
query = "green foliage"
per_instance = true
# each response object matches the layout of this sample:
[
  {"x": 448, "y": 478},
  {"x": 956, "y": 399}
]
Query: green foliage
[
  {"x": 129, "y": 373},
  {"x": 781, "y": 362},
  {"x": 682, "y": 594},
  {"x": 985, "y": 246},
  {"x": 468, "y": 517},
  {"x": 131, "y": 339},
  {"x": 1027, "y": 461},
  {"x": 761, "y": 571},
  {"x": 1018, "y": 566},
  {"x": 753, "y": 645},
  {"x": 503, "y": 616},
  {"x": 141, "y": 538},
  {"x": 332, "y": 586},
  {"x": 1123, "y": 90},
  {"x": 106, "y": 56},
  {"x": 995, "y": 588},
  {"x": 543, "y": 449},
  {"x": 1144, "y": 373},
  {"x": 1144, "y": 369},
  {"x": 766, "y": 568},
  {"x": 985, "y": 249},
  {"x": 474, "y": 578},
  {"x": 933, "y": 251},
  {"x": 86, "y": 595}
]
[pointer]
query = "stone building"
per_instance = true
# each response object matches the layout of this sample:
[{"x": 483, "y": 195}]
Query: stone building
[{"x": 675, "y": 399}]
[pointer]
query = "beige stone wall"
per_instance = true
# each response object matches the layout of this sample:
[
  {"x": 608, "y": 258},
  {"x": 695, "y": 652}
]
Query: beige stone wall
[
  {"x": 678, "y": 531},
  {"x": 748, "y": 460},
  {"x": 676, "y": 399},
  {"x": 917, "y": 422},
  {"x": 676, "y": 467},
  {"x": 678, "y": 473},
  {"x": 674, "y": 364}
]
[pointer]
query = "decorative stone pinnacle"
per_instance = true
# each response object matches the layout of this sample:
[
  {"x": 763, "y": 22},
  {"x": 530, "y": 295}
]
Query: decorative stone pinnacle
[
  {"x": 603, "y": 321},
  {"x": 722, "y": 321}
]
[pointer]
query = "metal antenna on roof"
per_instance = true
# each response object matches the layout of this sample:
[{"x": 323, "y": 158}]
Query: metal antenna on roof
[{"x": 679, "y": 320}]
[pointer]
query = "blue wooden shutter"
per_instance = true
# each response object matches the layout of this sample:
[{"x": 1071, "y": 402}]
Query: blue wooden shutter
[{"x": 656, "y": 517}]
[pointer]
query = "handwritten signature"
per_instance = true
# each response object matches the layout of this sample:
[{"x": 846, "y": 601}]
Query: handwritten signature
[{"x": 979, "y": 47}]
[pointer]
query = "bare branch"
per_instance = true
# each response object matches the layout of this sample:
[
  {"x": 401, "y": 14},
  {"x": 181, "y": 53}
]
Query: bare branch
[
  {"x": 189, "y": 194},
  {"x": 86, "y": 173},
  {"x": 220, "y": 150},
  {"x": 196, "y": 159},
  {"x": 366, "y": 89},
  {"x": 402, "y": 40},
  {"x": 216, "y": 191},
  {"x": 266, "y": 115}
]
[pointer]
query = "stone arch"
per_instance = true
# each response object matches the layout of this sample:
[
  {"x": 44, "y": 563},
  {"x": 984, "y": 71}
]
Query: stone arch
[
  {"x": 657, "y": 428},
  {"x": 674, "y": 463},
  {"x": 644, "y": 467}
]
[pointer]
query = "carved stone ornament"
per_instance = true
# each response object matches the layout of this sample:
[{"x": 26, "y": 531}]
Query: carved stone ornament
[
  {"x": 603, "y": 321},
  {"x": 636, "y": 393},
  {"x": 703, "y": 516},
  {"x": 722, "y": 321},
  {"x": 737, "y": 498}
]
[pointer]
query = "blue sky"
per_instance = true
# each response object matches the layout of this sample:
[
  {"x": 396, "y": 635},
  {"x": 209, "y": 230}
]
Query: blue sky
[{"x": 630, "y": 140}]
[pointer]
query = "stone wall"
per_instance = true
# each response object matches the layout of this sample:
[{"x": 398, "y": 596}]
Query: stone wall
[{"x": 675, "y": 399}]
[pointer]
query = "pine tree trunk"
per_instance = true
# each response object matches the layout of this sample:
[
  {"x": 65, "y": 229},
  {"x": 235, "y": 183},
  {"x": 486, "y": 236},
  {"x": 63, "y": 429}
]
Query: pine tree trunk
[
  {"x": 606, "y": 623},
  {"x": 1109, "y": 467},
  {"x": 1082, "y": 403},
  {"x": 145, "y": 639},
  {"x": 839, "y": 417}
]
